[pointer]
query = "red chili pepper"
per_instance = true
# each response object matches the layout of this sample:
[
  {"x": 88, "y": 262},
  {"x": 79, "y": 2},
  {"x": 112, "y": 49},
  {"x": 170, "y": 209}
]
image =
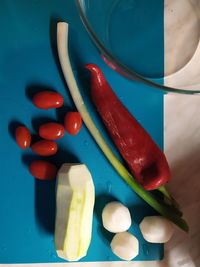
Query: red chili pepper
[{"x": 146, "y": 161}]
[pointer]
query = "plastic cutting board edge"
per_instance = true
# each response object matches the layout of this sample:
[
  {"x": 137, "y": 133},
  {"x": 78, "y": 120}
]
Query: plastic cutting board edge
[{"x": 27, "y": 65}]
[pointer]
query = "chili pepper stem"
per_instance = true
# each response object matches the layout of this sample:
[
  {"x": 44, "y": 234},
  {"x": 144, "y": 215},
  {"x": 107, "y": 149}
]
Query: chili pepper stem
[
  {"x": 164, "y": 191},
  {"x": 168, "y": 196},
  {"x": 62, "y": 42}
]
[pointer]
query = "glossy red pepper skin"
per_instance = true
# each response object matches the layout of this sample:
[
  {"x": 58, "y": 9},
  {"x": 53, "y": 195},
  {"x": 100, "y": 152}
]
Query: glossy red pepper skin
[{"x": 145, "y": 160}]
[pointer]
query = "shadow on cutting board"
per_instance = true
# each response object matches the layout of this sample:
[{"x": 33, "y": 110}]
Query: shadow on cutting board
[
  {"x": 12, "y": 126},
  {"x": 138, "y": 212},
  {"x": 100, "y": 203},
  {"x": 34, "y": 88},
  {"x": 45, "y": 204},
  {"x": 39, "y": 120},
  {"x": 44, "y": 198}
]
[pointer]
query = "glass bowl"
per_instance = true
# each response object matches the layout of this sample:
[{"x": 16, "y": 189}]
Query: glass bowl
[{"x": 153, "y": 42}]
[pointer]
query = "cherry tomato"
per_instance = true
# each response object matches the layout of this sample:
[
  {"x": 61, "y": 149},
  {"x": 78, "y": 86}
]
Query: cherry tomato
[
  {"x": 51, "y": 131},
  {"x": 23, "y": 137},
  {"x": 45, "y": 148},
  {"x": 43, "y": 170},
  {"x": 48, "y": 99},
  {"x": 73, "y": 122}
]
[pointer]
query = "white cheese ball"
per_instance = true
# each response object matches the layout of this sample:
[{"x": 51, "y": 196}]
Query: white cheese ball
[
  {"x": 125, "y": 246},
  {"x": 156, "y": 229},
  {"x": 116, "y": 217}
]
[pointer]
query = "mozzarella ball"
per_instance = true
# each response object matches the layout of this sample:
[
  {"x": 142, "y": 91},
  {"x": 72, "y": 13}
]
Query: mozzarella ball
[
  {"x": 125, "y": 246},
  {"x": 116, "y": 217},
  {"x": 156, "y": 229}
]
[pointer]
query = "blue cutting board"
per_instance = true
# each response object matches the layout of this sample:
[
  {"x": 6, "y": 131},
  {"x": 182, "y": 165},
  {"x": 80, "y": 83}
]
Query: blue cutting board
[{"x": 28, "y": 64}]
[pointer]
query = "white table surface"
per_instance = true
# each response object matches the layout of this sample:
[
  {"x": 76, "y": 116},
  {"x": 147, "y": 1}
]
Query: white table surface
[{"x": 181, "y": 136}]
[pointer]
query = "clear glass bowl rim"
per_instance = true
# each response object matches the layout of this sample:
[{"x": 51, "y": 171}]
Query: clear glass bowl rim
[{"x": 130, "y": 74}]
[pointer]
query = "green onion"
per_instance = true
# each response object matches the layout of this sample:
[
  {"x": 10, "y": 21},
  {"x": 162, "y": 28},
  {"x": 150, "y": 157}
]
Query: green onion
[{"x": 62, "y": 43}]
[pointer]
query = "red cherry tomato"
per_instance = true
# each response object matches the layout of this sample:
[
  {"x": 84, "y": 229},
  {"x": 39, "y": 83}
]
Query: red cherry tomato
[
  {"x": 47, "y": 100},
  {"x": 43, "y": 170},
  {"x": 51, "y": 131},
  {"x": 73, "y": 122},
  {"x": 23, "y": 137},
  {"x": 45, "y": 148}
]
